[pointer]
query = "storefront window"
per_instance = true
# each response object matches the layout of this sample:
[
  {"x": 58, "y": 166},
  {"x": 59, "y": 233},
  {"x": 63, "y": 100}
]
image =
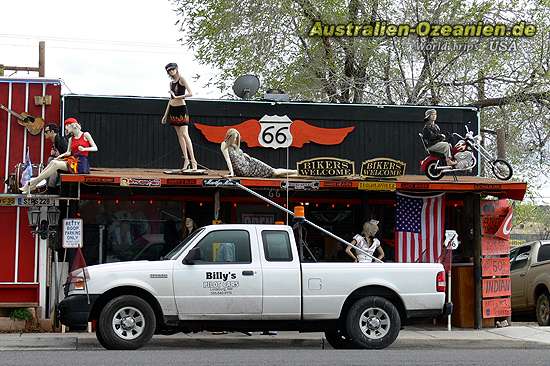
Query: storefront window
[{"x": 127, "y": 230}]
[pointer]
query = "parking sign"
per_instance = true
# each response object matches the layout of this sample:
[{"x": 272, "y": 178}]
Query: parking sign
[{"x": 72, "y": 233}]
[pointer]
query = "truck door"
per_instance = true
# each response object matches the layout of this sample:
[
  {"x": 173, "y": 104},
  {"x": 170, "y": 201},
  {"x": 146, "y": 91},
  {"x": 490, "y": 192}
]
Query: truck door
[
  {"x": 226, "y": 282},
  {"x": 281, "y": 274},
  {"x": 519, "y": 264}
]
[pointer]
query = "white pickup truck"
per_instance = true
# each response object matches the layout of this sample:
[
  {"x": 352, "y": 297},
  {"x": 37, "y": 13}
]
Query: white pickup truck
[{"x": 250, "y": 278}]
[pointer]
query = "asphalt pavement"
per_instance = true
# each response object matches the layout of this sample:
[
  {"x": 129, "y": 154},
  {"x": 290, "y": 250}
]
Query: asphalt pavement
[
  {"x": 524, "y": 336},
  {"x": 278, "y": 357}
]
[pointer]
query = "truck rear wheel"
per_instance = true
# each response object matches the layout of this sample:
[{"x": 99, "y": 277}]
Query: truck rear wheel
[
  {"x": 373, "y": 322},
  {"x": 126, "y": 322},
  {"x": 543, "y": 309},
  {"x": 338, "y": 339}
]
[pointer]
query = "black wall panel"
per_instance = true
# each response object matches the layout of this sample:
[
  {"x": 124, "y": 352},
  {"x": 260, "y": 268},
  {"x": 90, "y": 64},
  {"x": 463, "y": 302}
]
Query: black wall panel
[{"x": 129, "y": 134}]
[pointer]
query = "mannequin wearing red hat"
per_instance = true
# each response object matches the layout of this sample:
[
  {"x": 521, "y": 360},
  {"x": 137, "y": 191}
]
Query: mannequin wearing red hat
[
  {"x": 177, "y": 116},
  {"x": 74, "y": 160}
]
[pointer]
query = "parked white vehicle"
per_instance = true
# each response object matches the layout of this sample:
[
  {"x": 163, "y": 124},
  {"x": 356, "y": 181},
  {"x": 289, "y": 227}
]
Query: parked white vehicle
[{"x": 250, "y": 278}]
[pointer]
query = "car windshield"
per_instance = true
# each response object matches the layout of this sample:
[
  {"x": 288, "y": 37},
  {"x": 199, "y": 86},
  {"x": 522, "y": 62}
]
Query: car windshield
[{"x": 174, "y": 252}]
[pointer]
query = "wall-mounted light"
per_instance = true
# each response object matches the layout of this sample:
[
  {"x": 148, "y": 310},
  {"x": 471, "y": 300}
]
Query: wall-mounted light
[{"x": 43, "y": 227}]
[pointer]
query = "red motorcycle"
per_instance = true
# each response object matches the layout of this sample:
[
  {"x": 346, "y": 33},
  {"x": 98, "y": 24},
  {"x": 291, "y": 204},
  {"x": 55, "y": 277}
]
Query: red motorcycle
[{"x": 435, "y": 165}]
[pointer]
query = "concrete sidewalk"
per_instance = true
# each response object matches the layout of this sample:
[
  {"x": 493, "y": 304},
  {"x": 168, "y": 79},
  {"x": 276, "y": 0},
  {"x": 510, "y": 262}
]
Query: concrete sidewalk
[{"x": 517, "y": 336}]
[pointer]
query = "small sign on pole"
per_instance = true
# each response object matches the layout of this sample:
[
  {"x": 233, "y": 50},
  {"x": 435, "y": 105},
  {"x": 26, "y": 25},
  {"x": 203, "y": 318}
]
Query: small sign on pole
[{"x": 72, "y": 233}]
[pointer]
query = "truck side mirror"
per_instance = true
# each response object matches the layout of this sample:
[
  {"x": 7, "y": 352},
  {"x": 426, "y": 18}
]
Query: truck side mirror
[{"x": 193, "y": 255}]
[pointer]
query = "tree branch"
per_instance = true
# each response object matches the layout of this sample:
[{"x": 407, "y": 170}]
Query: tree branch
[{"x": 519, "y": 97}]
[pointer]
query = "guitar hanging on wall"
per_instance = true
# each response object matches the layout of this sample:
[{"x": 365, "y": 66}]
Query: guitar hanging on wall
[{"x": 33, "y": 124}]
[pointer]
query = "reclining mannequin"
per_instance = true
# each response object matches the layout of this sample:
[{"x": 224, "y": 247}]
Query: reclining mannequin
[{"x": 242, "y": 165}]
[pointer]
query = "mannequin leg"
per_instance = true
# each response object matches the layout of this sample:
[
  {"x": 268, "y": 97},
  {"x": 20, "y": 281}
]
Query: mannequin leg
[
  {"x": 185, "y": 133},
  {"x": 183, "y": 146},
  {"x": 284, "y": 172},
  {"x": 51, "y": 170}
]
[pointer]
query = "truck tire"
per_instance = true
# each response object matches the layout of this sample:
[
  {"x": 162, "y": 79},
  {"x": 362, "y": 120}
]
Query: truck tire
[
  {"x": 543, "y": 309},
  {"x": 126, "y": 322},
  {"x": 338, "y": 339},
  {"x": 373, "y": 322}
]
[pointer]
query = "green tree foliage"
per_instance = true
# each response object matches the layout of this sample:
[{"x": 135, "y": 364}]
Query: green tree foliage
[
  {"x": 271, "y": 39},
  {"x": 533, "y": 218}
]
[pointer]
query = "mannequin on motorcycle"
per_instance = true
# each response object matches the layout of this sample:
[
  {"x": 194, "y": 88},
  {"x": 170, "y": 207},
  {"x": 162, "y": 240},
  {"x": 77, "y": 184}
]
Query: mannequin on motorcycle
[{"x": 434, "y": 139}]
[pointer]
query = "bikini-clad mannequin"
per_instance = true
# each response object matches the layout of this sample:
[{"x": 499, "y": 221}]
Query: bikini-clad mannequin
[{"x": 176, "y": 114}]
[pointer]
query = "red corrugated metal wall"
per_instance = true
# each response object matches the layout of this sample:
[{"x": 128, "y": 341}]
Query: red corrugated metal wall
[{"x": 19, "y": 279}]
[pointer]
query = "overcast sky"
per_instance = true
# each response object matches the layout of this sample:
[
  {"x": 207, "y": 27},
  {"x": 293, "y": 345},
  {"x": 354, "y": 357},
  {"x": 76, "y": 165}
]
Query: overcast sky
[{"x": 101, "y": 47}]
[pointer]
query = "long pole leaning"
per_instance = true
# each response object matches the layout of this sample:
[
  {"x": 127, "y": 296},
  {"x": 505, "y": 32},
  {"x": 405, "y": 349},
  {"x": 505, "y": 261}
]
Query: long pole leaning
[{"x": 305, "y": 220}]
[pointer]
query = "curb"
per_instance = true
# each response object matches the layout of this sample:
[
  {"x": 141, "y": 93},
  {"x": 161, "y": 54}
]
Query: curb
[
  {"x": 87, "y": 343},
  {"x": 38, "y": 343}
]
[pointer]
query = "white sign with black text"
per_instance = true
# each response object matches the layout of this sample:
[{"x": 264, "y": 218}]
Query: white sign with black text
[{"x": 72, "y": 233}]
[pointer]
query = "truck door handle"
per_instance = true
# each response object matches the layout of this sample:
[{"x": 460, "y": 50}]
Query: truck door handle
[
  {"x": 522, "y": 274},
  {"x": 248, "y": 273}
]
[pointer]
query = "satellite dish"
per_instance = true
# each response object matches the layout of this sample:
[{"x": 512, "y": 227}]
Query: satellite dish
[{"x": 246, "y": 86}]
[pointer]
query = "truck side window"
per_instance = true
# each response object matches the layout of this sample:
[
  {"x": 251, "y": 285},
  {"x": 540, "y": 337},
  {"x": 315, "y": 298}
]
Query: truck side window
[
  {"x": 276, "y": 246},
  {"x": 520, "y": 259},
  {"x": 225, "y": 246},
  {"x": 544, "y": 253}
]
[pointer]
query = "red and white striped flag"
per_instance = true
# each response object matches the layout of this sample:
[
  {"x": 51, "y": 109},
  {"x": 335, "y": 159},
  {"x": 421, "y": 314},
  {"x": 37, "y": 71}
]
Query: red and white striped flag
[{"x": 419, "y": 228}]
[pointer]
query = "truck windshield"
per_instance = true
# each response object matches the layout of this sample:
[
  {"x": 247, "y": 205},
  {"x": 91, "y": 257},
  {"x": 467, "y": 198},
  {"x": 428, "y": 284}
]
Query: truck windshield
[{"x": 174, "y": 252}]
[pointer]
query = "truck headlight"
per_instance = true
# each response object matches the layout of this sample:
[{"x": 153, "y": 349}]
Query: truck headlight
[{"x": 77, "y": 280}]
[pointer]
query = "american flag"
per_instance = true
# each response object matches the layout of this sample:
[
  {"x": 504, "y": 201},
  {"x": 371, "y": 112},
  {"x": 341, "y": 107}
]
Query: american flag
[{"x": 420, "y": 228}]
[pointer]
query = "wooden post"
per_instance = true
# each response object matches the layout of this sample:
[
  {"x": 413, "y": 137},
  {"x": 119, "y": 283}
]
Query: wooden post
[
  {"x": 476, "y": 207},
  {"x": 41, "y": 59}
]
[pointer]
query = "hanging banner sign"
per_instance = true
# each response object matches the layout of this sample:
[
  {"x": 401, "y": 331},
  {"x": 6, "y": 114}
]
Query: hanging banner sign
[
  {"x": 220, "y": 182},
  {"x": 376, "y": 186},
  {"x": 495, "y": 267},
  {"x": 494, "y": 246},
  {"x": 496, "y": 287},
  {"x": 382, "y": 168},
  {"x": 72, "y": 233},
  {"x": 275, "y": 131},
  {"x": 139, "y": 182},
  {"x": 300, "y": 186},
  {"x": 496, "y": 308},
  {"x": 326, "y": 167}
]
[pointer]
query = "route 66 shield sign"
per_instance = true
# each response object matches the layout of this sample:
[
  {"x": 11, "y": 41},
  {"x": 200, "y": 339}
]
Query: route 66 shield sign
[{"x": 275, "y": 131}]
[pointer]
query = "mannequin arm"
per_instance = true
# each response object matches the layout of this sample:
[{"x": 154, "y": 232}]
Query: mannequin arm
[
  {"x": 93, "y": 146},
  {"x": 66, "y": 153},
  {"x": 350, "y": 252},
  {"x": 381, "y": 253},
  {"x": 225, "y": 153}
]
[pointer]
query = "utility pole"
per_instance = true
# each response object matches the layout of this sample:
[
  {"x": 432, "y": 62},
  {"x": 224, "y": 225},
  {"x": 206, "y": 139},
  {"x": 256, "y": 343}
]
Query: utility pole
[{"x": 41, "y": 69}]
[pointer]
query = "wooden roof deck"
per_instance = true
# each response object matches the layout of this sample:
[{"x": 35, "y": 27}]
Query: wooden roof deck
[{"x": 154, "y": 178}]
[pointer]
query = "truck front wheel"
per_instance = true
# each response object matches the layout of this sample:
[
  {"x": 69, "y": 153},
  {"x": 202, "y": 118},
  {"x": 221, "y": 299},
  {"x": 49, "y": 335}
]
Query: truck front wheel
[
  {"x": 126, "y": 322},
  {"x": 373, "y": 322}
]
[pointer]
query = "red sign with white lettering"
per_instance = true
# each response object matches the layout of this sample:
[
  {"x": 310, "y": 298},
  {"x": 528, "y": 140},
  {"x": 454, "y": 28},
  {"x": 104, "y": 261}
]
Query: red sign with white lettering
[
  {"x": 494, "y": 246},
  {"x": 495, "y": 267},
  {"x": 494, "y": 308},
  {"x": 496, "y": 218},
  {"x": 496, "y": 287}
]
